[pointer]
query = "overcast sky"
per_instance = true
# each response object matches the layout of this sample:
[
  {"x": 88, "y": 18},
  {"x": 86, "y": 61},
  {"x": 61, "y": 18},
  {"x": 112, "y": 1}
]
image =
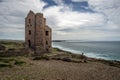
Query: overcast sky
[{"x": 69, "y": 19}]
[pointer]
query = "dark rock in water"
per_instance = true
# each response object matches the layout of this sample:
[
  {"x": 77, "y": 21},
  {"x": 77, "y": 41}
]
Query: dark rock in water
[{"x": 2, "y": 48}]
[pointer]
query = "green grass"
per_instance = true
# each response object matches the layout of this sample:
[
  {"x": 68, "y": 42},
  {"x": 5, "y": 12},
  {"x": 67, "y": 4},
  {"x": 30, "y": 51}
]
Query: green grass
[
  {"x": 6, "y": 59},
  {"x": 55, "y": 54},
  {"x": 18, "y": 62},
  {"x": 12, "y": 44},
  {"x": 10, "y": 61},
  {"x": 4, "y": 65}
]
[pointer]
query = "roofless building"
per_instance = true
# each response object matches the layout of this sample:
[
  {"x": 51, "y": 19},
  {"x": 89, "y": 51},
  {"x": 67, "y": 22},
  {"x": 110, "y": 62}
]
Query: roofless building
[{"x": 37, "y": 33}]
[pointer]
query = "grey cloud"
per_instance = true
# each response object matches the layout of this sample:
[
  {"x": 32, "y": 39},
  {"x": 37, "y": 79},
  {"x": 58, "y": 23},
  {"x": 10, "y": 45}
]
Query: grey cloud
[
  {"x": 12, "y": 15},
  {"x": 110, "y": 8},
  {"x": 67, "y": 30},
  {"x": 63, "y": 21}
]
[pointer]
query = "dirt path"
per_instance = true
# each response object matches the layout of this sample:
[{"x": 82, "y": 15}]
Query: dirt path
[{"x": 59, "y": 70}]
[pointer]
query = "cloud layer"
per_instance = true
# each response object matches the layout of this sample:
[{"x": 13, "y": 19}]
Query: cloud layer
[{"x": 66, "y": 23}]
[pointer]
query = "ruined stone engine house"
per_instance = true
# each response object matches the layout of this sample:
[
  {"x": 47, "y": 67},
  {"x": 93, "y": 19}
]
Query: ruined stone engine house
[{"x": 37, "y": 33}]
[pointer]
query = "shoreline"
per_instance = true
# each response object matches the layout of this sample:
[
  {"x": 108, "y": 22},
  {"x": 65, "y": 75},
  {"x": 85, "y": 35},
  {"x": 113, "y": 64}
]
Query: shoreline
[
  {"x": 114, "y": 63},
  {"x": 56, "y": 54},
  {"x": 56, "y": 65},
  {"x": 91, "y": 55}
]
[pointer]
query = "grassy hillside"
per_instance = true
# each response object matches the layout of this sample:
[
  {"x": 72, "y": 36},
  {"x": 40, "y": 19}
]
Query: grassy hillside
[{"x": 12, "y": 44}]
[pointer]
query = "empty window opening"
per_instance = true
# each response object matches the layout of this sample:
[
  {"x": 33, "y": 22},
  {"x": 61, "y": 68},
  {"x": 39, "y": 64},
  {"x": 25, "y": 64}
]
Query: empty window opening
[
  {"x": 29, "y": 32},
  {"x": 29, "y": 43},
  {"x": 29, "y": 20},
  {"x": 47, "y": 33},
  {"x": 46, "y": 42}
]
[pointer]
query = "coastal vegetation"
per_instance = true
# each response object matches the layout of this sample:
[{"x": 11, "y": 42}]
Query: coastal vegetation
[{"x": 57, "y": 65}]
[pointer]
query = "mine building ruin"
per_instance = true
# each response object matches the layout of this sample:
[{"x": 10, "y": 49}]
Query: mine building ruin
[{"x": 37, "y": 33}]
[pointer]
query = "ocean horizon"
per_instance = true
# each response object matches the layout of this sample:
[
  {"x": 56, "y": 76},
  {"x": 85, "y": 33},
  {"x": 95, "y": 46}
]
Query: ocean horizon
[{"x": 109, "y": 50}]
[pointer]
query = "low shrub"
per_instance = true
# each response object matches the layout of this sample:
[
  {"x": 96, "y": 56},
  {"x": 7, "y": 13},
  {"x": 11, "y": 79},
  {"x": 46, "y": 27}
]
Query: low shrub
[
  {"x": 56, "y": 58},
  {"x": 10, "y": 61},
  {"x": 111, "y": 63},
  {"x": 41, "y": 57},
  {"x": 66, "y": 59},
  {"x": 6, "y": 59},
  {"x": 4, "y": 65},
  {"x": 37, "y": 58},
  {"x": 11, "y": 49},
  {"x": 18, "y": 62},
  {"x": 77, "y": 56}
]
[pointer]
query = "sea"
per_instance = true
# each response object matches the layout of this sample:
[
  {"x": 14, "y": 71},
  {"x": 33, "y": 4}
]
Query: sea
[{"x": 109, "y": 50}]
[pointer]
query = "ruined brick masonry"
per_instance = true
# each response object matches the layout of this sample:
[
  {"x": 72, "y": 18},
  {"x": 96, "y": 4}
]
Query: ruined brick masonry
[{"x": 37, "y": 33}]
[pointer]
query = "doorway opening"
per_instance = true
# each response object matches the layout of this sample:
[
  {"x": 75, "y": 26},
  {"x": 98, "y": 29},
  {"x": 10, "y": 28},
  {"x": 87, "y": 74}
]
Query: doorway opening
[
  {"x": 47, "y": 49},
  {"x": 29, "y": 43}
]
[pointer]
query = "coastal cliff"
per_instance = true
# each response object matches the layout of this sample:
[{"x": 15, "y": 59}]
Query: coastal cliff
[{"x": 57, "y": 65}]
